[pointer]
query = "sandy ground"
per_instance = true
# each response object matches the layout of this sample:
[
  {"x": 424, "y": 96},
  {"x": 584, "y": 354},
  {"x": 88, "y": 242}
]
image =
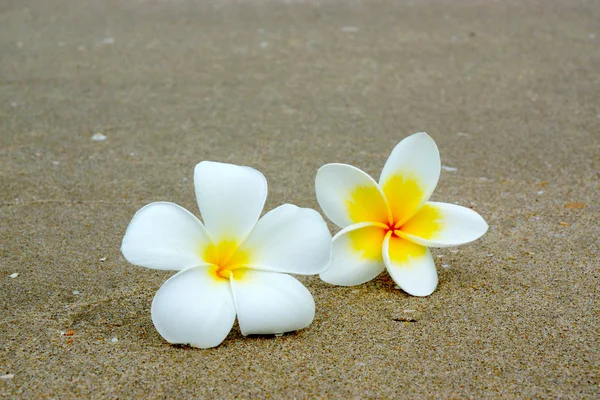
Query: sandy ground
[{"x": 509, "y": 91}]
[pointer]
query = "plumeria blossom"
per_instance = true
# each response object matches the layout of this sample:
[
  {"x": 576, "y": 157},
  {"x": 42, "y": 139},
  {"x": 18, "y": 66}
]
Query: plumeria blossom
[
  {"x": 391, "y": 224},
  {"x": 233, "y": 264}
]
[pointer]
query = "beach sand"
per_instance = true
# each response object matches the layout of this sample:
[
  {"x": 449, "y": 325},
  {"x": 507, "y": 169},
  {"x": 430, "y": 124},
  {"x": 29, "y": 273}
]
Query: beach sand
[{"x": 509, "y": 91}]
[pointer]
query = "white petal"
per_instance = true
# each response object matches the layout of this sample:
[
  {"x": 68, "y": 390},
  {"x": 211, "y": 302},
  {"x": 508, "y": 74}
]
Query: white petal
[
  {"x": 230, "y": 198},
  {"x": 410, "y": 265},
  {"x": 194, "y": 308},
  {"x": 443, "y": 224},
  {"x": 290, "y": 239},
  {"x": 410, "y": 175},
  {"x": 268, "y": 302},
  {"x": 348, "y": 195},
  {"x": 356, "y": 255},
  {"x": 164, "y": 236}
]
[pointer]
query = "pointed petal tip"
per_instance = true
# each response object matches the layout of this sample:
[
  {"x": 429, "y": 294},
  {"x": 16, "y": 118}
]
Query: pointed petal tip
[{"x": 487, "y": 226}]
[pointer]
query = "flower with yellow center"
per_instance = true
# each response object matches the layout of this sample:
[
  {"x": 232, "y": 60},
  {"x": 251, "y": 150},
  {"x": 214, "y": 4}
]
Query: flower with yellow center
[
  {"x": 390, "y": 224},
  {"x": 233, "y": 264}
]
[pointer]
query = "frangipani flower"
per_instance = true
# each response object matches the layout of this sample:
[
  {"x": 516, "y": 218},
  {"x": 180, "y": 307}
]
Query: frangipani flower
[
  {"x": 390, "y": 224},
  {"x": 233, "y": 264}
]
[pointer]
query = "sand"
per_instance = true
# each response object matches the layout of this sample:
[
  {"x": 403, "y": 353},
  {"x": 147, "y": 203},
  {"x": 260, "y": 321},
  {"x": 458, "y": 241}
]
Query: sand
[{"x": 509, "y": 90}]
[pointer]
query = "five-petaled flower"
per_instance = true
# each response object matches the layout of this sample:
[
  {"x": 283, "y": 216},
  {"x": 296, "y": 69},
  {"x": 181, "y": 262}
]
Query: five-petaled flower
[
  {"x": 390, "y": 224},
  {"x": 233, "y": 264}
]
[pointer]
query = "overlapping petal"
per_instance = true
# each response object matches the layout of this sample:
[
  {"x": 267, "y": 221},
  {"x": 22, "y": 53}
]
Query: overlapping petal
[
  {"x": 165, "y": 236},
  {"x": 410, "y": 265},
  {"x": 290, "y": 239},
  {"x": 348, "y": 195},
  {"x": 269, "y": 302},
  {"x": 230, "y": 198},
  {"x": 410, "y": 175},
  {"x": 192, "y": 307},
  {"x": 443, "y": 224},
  {"x": 357, "y": 255}
]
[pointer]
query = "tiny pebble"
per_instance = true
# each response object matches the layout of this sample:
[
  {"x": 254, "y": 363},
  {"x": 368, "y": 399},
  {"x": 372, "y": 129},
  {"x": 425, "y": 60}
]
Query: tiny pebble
[
  {"x": 540, "y": 192},
  {"x": 264, "y": 45},
  {"x": 592, "y": 36},
  {"x": 490, "y": 255},
  {"x": 14, "y": 104},
  {"x": 75, "y": 292},
  {"x": 103, "y": 258},
  {"x": 350, "y": 29},
  {"x": 454, "y": 251},
  {"x": 61, "y": 44},
  {"x": 7, "y": 376},
  {"x": 445, "y": 266},
  {"x": 81, "y": 48},
  {"x": 450, "y": 169},
  {"x": 483, "y": 178},
  {"x": 397, "y": 287},
  {"x": 98, "y": 137},
  {"x": 14, "y": 275},
  {"x": 278, "y": 334},
  {"x": 19, "y": 44},
  {"x": 62, "y": 333},
  {"x": 409, "y": 311},
  {"x": 55, "y": 162},
  {"x": 114, "y": 340},
  {"x": 463, "y": 134},
  {"x": 108, "y": 40}
]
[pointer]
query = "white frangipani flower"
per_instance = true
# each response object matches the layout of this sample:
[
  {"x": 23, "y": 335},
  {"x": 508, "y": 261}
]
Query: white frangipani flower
[
  {"x": 233, "y": 264},
  {"x": 390, "y": 224}
]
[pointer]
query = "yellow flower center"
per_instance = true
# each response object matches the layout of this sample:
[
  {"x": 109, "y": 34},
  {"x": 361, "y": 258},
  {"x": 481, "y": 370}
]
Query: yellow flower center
[
  {"x": 425, "y": 224},
  {"x": 394, "y": 229},
  {"x": 403, "y": 195},
  {"x": 227, "y": 260}
]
